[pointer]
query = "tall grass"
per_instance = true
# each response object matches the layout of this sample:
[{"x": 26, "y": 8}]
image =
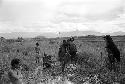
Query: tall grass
[{"x": 91, "y": 60}]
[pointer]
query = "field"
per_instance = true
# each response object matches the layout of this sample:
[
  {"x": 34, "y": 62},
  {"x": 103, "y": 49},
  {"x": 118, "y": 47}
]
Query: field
[{"x": 92, "y": 65}]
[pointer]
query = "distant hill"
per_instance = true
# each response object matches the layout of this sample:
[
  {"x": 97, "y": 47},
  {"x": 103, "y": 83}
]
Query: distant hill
[
  {"x": 79, "y": 33},
  {"x": 27, "y": 35},
  {"x": 19, "y": 34},
  {"x": 49, "y": 35},
  {"x": 118, "y": 33},
  {"x": 53, "y": 35}
]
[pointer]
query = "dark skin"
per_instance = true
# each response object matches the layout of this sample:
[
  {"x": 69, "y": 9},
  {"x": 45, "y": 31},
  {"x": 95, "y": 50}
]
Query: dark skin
[
  {"x": 112, "y": 48},
  {"x": 66, "y": 53},
  {"x": 72, "y": 49},
  {"x": 37, "y": 51},
  {"x": 113, "y": 52},
  {"x": 62, "y": 54},
  {"x": 15, "y": 64},
  {"x": 15, "y": 67}
]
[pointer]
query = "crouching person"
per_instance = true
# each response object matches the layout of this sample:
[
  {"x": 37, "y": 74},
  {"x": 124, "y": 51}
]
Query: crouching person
[{"x": 14, "y": 74}]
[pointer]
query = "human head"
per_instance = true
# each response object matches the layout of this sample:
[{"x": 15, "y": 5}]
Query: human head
[
  {"x": 107, "y": 38},
  {"x": 71, "y": 39},
  {"x": 64, "y": 41},
  {"x": 37, "y": 44},
  {"x": 15, "y": 63}
]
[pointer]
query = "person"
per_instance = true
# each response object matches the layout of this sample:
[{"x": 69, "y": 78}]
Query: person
[
  {"x": 113, "y": 52},
  {"x": 72, "y": 49},
  {"x": 37, "y": 51},
  {"x": 47, "y": 61},
  {"x": 62, "y": 49},
  {"x": 37, "y": 48},
  {"x": 67, "y": 52},
  {"x": 63, "y": 54},
  {"x": 14, "y": 74}
]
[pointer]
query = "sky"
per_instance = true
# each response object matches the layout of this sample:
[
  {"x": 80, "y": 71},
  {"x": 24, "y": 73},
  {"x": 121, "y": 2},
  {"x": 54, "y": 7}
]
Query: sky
[{"x": 103, "y": 16}]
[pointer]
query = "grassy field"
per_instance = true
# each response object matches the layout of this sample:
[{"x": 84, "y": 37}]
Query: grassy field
[{"x": 92, "y": 62}]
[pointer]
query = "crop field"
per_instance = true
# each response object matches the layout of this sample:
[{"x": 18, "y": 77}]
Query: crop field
[{"x": 91, "y": 68}]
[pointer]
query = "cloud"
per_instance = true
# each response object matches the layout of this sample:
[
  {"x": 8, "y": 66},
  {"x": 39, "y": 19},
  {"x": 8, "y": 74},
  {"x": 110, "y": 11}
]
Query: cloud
[
  {"x": 61, "y": 15},
  {"x": 8, "y": 27},
  {"x": 105, "y": 27},
  {"x": 97, "y": 15},
  {"x": 1, "y": 1},
  {"x": 21, "y": 12},
  {"x": 90, "y": 10}
]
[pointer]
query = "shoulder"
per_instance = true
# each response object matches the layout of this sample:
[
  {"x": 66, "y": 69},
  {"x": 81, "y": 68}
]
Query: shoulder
[
  {"x": 15, "y": 77},
  {"x": 15, "y": 74}
]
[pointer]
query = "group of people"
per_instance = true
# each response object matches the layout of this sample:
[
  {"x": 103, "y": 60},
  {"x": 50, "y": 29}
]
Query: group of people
[
  {"x": 67, "y": 53},
  {"x": 45, "y": 60},
  {"x": 67, "y": 49}
]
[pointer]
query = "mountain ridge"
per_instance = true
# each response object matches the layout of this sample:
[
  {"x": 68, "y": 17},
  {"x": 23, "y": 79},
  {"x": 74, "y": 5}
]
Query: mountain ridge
[{"x": 53, "y": 35}]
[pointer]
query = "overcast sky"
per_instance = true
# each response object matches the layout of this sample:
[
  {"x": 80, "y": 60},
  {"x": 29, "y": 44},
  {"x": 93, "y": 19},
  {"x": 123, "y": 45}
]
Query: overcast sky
[{"x": 62, "y": 15}]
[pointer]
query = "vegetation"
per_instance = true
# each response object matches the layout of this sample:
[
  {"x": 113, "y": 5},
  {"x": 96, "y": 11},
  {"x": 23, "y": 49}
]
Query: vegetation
[{"x": 91, "y": 68}]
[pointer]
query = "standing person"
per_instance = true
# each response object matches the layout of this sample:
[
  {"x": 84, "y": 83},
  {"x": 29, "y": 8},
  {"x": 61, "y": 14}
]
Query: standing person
[
  {"x": 72, "y": 49},
  {"x": 37, "y": 48},
  {"x": 62, "y": 50},
  {"x": 37, "y": 51},
  {"x": 113, "y": 52},
  {"x": 63, "y": 55},
  {"x": 14, "y": 74}
]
